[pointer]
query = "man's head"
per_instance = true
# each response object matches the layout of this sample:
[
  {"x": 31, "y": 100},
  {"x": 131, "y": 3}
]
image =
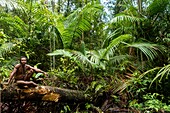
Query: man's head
[{"x": 23, "y": 60}]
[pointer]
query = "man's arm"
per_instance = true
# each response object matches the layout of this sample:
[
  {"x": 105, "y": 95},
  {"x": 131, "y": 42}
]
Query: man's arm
[
  {"x": 12, "y": 74},
  {"x": 37, "y": 70}
]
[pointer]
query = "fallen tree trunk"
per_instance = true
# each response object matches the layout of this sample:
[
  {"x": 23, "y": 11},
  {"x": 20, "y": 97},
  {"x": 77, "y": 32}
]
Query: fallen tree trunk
[{"x": 41, "y": 93}]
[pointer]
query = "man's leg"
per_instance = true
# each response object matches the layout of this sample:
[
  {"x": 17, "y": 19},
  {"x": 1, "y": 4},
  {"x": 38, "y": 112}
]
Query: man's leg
[
  {"x": 29, "y": 75},
  {"x": 26, "y": 80},
  {"x": 28, "y": 83}
]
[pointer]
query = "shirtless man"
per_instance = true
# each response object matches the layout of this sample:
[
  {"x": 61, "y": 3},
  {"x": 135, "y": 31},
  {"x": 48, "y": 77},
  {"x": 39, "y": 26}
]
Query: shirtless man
[{"x": 23, "y": 72}]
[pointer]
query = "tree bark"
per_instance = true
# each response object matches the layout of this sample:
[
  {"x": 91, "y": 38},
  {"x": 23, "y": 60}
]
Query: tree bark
[{"x": 40, "y": 93}]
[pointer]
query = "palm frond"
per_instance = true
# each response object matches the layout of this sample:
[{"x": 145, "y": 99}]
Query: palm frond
[
  {"x": 62, "y": 52},
  {"x": 81, "y": 59},
  {"x": 48, "y": 24},
  {"x": 78, "y": 22},
  {"x": 149, "y": 50},
  {"x": 115, "y": 42},
  {"x": 163, "y": 72},
  {"x": 12, "y": 25},
  {"x": 122, "y": 85},
  {"x": 10, "y": 4},
  {"x": 119, "y": 58},
  {"x": 5, "y": 48},
  {"x": 126, "y": 18},
  {"x": 157, "y": 6},
  {"x": 94, "y": 56},
  {"x": 110, "y": 37}
]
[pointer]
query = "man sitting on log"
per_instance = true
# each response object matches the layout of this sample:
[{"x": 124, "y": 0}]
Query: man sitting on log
[{"x": 23, "y": 72}]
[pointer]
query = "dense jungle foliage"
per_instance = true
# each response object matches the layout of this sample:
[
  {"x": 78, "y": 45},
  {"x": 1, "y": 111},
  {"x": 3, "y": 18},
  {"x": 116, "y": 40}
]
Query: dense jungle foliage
[{"x": 118, "y": 51}]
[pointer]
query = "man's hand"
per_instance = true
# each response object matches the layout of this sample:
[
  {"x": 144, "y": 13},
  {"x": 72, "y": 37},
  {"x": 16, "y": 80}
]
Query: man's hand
[
  {"x": 45, "y": 73},
  {"x": 6, "y": 83}
]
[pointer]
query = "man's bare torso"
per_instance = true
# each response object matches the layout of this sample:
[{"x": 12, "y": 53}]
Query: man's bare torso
[{"x": 22, "y": 71}]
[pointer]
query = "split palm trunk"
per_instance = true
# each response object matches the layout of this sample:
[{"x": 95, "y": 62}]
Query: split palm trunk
[{"x": 40, "y": 93}]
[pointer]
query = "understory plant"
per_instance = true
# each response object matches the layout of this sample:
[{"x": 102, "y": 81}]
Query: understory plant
[{"x": 152, "y": 102}]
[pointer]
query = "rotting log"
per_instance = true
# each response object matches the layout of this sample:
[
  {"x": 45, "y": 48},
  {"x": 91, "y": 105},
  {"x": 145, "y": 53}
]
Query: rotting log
[{"x": 40, "y": 93}]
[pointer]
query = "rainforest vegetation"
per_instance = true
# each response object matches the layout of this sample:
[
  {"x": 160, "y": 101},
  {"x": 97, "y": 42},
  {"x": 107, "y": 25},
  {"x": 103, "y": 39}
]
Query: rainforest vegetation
[{"x": 117, "y": 51}]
